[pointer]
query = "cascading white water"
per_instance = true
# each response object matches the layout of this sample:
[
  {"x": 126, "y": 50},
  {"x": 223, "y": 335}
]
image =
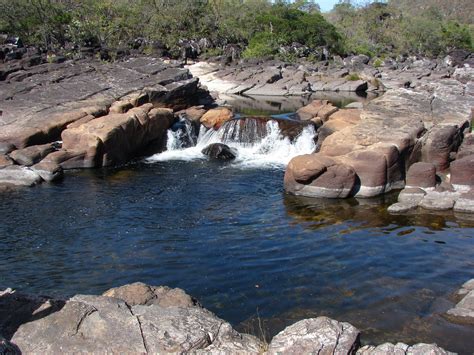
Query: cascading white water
[{"x": 271, "y": 150}]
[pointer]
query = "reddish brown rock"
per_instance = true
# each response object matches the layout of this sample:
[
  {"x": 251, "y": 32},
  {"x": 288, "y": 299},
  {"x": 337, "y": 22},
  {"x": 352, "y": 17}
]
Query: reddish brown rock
[
  {"x": 441, "y": 141},
  {"x": 115, "y": 138},
  {"x": 311, "y": 110},
  {"x": 194, "y": 113},
  {"x": 318, "y": 176},
  {"x": 215, "y": 118},
  {"x": 347, "y": 115},
  {"x": 81, "y": 121},
  {"x": 5, "y": 161},
  {"x": 462, "y": 172},
  {"x": 421, "y": 175},
  {"x": 67, "y": 159}
]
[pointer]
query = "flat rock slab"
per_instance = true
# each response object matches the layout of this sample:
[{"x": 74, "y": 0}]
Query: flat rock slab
[
  {"x": 320, "y": 335},
  {"x": 403, "y": 349},
  {"x": 163, "y": 320},
  {"x": 463, "y": 312},
  {"x": 18, "y": 176},
  {"x": 37, "y": 108}
]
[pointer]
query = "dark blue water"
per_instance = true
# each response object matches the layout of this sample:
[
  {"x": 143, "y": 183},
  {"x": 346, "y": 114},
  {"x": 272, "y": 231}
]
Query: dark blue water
[{"x": 233, "y": 239}]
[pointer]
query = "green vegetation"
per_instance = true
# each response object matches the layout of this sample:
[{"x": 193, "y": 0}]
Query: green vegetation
[
  {"x": 261, "y": 27},
  {"x": 353, "y": 77},
  {"x": 425, "y": 27}
]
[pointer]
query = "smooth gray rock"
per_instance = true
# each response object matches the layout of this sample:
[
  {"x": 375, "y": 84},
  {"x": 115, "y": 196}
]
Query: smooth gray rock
[
  {"x": 402, "y": 349},
  {"x": 411, "y": 195},
  {"x": 18, "y": 176},
  {"x": 465, "y": 203},
  {"x": 401, "y": 207},
  {"x": 464, "y": 310},
  {"x": 48, "y": 171},
  {"x": 320, "y": 335},
  {"x": 438, "y": 201},
  {"x": 31, "y": 155}
]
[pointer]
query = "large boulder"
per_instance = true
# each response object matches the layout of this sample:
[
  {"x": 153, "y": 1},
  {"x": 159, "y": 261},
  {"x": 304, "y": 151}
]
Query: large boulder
[
  {"x": 116, "y": 138},
  {"x": 314, "y": 175},
  {"x": 320, "y": 335},
  {"x": 102, "y": 324},
  {"x": 462, "y": 173},
  {"x": 440, "y": 142},
  {"x": 215, "y": 118},
  {"x": 421, "y": 175}
]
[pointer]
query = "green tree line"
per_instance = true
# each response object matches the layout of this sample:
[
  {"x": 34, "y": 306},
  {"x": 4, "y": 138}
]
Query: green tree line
[{"x": 260, "y": 27}]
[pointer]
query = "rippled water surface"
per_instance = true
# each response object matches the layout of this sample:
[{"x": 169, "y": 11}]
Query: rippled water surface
[{"x": 230, "y": 237}]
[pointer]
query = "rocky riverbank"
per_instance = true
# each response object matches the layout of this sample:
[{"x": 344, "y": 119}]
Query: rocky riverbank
[
  {"x": 138, "y": 318},
  {"x": 416, "y": 136},
  {"x": 86, "y": 113}
]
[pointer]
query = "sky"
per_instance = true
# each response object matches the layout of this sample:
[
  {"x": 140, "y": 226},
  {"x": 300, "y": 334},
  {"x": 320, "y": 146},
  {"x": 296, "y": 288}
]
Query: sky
[{"x": 326, "y": 5}]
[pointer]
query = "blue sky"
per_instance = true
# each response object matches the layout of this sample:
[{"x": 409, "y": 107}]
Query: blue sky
[{"x": 326, "y": 5}]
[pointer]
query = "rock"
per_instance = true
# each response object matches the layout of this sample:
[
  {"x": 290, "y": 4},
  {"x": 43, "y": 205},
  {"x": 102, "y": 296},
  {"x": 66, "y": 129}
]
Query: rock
[
  {"x": 356, "y": 105},
  {"x": 462, "y": 173},
  {"x": 411, "y": 195},
  {"x": 421, "y": 175},
  {"x": 320, "y": 335},
  {"x": 215, "y": 118},
  {"x": 116, "y": 138},
  {"x": 402, "y": 207},
  {"x": 193, "y": 114},
  {"x": 5, "y": 161},
  {"x": 464, "y": 311},
  {"x": 48, "y": 171},
  {"x": 31, "y": 155},
  {"x": 66, "y": 159},
  {"x": 7, "y": 348},
  {"x": 353, "y": 86},
  {"x": 467, "y": 287},
  {"x": 317, "y": 108},
  {"x": 6, "y": 148},
  {"x": 18, "y": 176},
  {"x": 139, "y": 293},
  {"x": 100, "y": 324},
  {"x": 465, "y": 203},
  {"x": 440, "y": 142},
  {"x": 219, "y": 151},
  {"x": 438, "y": 201},
  {"x": 402, "y": 349},
  {"x": 37, "y": 110},
  {"x": 314, "y": 175}
]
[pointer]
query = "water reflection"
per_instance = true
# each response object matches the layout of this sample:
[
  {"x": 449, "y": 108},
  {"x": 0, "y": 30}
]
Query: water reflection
[{"x": 369, "y": 213}]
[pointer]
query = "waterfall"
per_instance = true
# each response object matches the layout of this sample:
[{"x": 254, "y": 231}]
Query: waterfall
[{"x": 259, "y": 143}]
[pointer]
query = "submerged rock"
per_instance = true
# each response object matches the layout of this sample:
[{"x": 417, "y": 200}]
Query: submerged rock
[
  {"x": 464, "y": 311},
  {"x": 220, "y": 151}
]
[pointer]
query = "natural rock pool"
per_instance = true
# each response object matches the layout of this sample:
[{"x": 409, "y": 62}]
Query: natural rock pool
[{"x": 228, "y": 235}]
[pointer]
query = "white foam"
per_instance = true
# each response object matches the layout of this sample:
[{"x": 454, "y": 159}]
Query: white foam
[{"x": 274, "y": 150}]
